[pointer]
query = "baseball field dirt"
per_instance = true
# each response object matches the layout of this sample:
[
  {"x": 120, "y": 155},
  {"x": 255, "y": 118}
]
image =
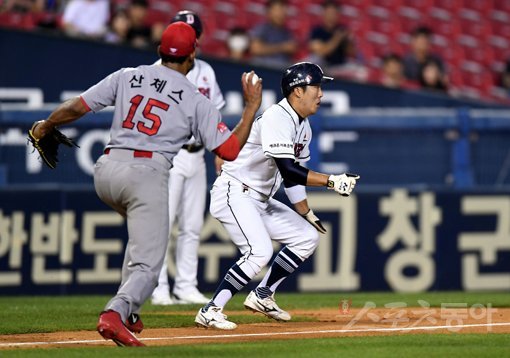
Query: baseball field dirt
[{"x": 319, "y": 323}]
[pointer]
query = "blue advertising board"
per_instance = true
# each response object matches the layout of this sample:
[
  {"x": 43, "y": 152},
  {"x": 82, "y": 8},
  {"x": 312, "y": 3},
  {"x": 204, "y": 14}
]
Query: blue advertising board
[{"x": 66, "y": 241}]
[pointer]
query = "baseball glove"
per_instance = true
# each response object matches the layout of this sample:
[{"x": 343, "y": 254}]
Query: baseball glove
[{"x": 47, "y": 146}]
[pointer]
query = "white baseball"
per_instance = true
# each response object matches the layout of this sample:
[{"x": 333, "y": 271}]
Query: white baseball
[{"x": 254, "y": 78}]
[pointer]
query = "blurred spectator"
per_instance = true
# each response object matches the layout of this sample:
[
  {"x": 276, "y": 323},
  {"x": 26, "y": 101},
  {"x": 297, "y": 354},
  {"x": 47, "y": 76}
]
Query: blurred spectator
[
  {"x": 272, "y": 43},
  {"x": 504, "y": 80},
  {"x": 330, "y": 42},
  {"x": 431, "y": 76},
  {"x": 86, "y": 18},
  {"x": 420, "y": 54},
  {"x": 140, "y": 33},
  {"x": 238, "y": 44},
  {"x": 392, "y": 75},
  {"x": 119, "y": 28},
  {"x": 49, "y": 18},
  {"x": 24, "y": 6}
]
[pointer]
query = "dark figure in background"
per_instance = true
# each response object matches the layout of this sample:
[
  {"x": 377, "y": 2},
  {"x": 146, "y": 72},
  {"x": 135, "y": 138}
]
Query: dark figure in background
[
  {"x": 431, "y": 77},
  {"x": 271, "y": 42},
  {"x": 420, "y": 54},
  {"x": 330, "y": 42},
  {"x": 392, "y": 74},
  {"x": 118, "y": 28},
  {"x": 238, "y": 44},
  {"x": 139, "y": 33},
  {"x": 504, "y": 80}
]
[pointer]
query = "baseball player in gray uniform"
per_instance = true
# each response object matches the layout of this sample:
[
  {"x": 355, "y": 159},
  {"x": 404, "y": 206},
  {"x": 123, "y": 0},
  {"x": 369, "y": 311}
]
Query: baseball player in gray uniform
[
  {"x": 187, "y": 192},
  {"x": 242, "y": 198},
  {"x": 156, "y": 111}
]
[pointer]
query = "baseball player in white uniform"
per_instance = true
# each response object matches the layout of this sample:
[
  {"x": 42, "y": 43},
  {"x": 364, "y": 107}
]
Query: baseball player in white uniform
[
  {"x": 187, "y": 192},
  {"x": 242, "y": 198},
  {"x": 156, "y": 111}
]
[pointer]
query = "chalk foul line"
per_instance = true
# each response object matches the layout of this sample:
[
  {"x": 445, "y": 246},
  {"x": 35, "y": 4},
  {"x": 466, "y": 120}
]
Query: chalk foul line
[{"x": 266, "y": 334}]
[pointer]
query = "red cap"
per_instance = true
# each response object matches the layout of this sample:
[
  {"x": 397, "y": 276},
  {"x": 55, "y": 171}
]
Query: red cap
[{"x": 178, "y": 40}]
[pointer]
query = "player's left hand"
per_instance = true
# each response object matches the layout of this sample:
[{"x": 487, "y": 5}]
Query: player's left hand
[
  {"x": 343, "y": 184},
  {"x": 315, "y": 221},
  {"x": 218, "y": 162}
]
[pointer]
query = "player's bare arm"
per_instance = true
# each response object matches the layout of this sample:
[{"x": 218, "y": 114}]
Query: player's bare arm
[
  {"x": 252, "y": 91},
  {"x": 66, "y": 112}
]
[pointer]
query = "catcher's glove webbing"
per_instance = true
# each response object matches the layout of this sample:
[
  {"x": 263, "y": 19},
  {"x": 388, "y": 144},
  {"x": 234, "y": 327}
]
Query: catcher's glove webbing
[{"x": 47, "y": 146}]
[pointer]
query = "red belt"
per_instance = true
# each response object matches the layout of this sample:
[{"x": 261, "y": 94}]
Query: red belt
[{"x": 136, "y": 153}]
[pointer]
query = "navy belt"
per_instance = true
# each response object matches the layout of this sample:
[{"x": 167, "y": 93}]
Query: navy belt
[{"x": 192, "y": 148}]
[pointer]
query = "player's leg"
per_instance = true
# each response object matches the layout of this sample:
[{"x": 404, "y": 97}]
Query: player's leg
[
  {"x": 299, "y": 239},
  {"x": 140, "y": 184},
  {"x": 161, "y": 294},
  {"x": 240, "y": 215},
  {"x": 190, "y": 218},
  {"x": 146, "y": 191}
]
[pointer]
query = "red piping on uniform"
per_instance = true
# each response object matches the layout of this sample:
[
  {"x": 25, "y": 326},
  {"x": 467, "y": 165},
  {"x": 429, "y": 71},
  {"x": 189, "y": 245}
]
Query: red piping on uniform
[{"x": 85, "y": 103}]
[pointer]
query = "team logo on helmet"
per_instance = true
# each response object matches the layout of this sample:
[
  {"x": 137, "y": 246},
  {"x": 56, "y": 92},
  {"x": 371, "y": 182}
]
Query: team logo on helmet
[{"x": 308, "y": 79}]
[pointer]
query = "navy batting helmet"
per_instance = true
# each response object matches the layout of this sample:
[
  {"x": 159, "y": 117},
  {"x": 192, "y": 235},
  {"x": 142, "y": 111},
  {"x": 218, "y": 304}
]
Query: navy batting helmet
[
  {"x": 302, "y": 74},
  {"x": 190, "y": 18}
]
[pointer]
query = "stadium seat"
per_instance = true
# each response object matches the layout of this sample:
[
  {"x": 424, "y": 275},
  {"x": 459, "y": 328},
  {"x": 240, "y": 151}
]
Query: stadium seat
[
  {"x": 383, "y": 21},
  {"x": 452, "y": 6},
  {"x": 477, "y": 51},
  {"x": 229, "y": 14},
  {"x": 453, "y": 55},
  {"x": 500, "y": 46},
  {"x": 455, "y": 77},
  {"x": 479, "y": 82},
  {"x": 503, "y": 5},
  {"x": 391, "y": 5},
  {"x": 409, "y": 18},
  {"x": 483, "y": 7},
  {"x": 474, "y": 23},
  {"x": 501, "y": 29},
  {"x": 422, "y": 6},
  {"x": 255, "y": 13},
  {"x": 17, "y": 20},
  {"x": 450, "y": 28},
  {"x": 360, "y": 4}
]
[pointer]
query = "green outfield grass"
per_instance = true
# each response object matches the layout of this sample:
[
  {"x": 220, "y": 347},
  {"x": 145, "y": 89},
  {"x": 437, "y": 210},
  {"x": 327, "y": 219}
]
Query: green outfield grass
[
  {"x": 431, "y": 345},
  {"x": 24, "y": 314}
]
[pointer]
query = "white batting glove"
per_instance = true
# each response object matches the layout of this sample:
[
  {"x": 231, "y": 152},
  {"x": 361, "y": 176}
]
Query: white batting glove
[
  {"x": 343, "y": 184},
  {"x": 315, "y": 221}
]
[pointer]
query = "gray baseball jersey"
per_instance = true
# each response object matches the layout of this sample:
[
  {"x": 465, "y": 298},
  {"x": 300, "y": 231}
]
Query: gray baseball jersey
[
  {"x": 278, "y": 133},
  {"x": 156, "y": 109}
]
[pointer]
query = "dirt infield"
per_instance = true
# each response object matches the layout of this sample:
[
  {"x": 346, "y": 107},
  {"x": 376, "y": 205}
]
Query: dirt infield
[{"x": 324, "y": 323}]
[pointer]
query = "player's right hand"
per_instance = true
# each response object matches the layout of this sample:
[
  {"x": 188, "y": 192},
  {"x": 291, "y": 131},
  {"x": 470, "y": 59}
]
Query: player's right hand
[
  {"x": 343, "y": 184},
  {"x": 252, "y": 93}
]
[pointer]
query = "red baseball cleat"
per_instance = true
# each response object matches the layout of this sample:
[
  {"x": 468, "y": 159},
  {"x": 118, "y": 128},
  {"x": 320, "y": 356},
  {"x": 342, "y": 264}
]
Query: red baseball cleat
[
  {"x": 110, "y": 326},
  {"x": 134, "y": 323}
]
